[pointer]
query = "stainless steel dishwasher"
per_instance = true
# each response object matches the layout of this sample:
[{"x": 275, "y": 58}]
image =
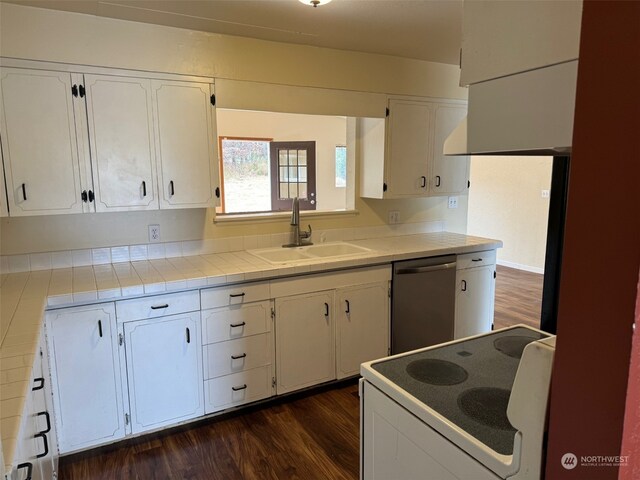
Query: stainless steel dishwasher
[{"x": 423, "y": 302}]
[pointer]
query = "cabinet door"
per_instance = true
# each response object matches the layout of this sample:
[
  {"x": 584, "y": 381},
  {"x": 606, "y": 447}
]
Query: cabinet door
[
  {"x": 85, "y": 371},
  {"x": 186, "y": 144},
  {"x": 305, "y": 353},
  {"x": 449, "y": 175},
  {"x": 39, "y": 145},
  {"x": 121, "y": 142},
  {"x": 164, "y": 369},
  {"x": 408, "y": 148},
  {"x": 474, "y": 301},
  {"x": 362, "y": 329}
]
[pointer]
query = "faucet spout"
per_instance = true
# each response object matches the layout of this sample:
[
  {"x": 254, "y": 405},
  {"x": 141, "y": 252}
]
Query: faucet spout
[
  {"x": 295, "y": 212},
  {"x": 299, "y": 238}
]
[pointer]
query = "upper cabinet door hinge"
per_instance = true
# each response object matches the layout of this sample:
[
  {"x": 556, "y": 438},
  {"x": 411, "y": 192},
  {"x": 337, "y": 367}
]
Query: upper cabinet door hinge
[
  {"x": 120, "y": 339},
  {"x": 387, "y": 112},
  {"x": 389, "y": 292},
  {"x": 126, "y": 419},
  {"x": 384, "y": 187},
  {"x": 494, "y": 274},
  {"x": 273, "y": 382},
  {"x": 81, "y": 91},
  {"x": 468, "y": 183},
  {"x": 213, "y": 100},
  {"x": 273, "y": 313},
  {"x": 74, "y": 90},
  {"x": 460, "y": 59}
]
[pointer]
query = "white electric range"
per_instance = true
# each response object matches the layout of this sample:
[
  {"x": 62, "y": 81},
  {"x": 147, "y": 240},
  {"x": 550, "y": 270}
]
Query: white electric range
[{"x": 470, "y": 409}]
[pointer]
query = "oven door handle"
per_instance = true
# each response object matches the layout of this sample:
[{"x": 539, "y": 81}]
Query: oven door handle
[{"x": 432, "y": 268}]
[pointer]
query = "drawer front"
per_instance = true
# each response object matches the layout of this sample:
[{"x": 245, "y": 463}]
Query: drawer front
[
  {"x": 237, "y": 355},
  {"x": 235, "y": 295},
  {"x": 476, "y": 259},
  {"x": 236, "y": 389},
  {"x": 229, "y": 323},
  {"x": 157, "y": 306}
]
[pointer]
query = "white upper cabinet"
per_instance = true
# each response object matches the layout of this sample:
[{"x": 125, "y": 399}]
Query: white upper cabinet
[
  {"x": 120, "y": 115},
  {"x": 449, "y": 174},
  {"x": 185, "y": 143},
  {"x": 403, "y": 157},
  {"x": 545, "y": 33},
  {"x": 39, "y": 145},
  {"x": 408, "y": 144}
]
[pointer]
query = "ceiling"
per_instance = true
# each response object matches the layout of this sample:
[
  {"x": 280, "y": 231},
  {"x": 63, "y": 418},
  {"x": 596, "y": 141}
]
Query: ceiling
[{"x": 425, "y": 30}]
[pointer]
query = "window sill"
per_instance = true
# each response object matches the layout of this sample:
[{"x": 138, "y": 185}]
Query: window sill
[{"x": 279, "y": 216}]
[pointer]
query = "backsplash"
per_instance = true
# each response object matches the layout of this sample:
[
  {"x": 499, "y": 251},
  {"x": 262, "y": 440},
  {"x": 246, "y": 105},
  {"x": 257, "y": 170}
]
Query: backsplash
[{"x": 151, "y": 251}]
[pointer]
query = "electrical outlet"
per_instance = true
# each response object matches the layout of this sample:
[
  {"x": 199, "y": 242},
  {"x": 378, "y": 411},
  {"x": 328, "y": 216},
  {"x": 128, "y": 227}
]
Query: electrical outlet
[
  {"x": 154, "y": 233},
  {"x": 545, "y": 193},
  {"x": 453, "y": 202},
  {"x": 394, "y": 217}
]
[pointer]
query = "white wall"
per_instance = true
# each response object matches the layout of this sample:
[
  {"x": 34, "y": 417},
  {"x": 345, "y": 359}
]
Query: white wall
[
  {"x": 40, "y": 34},
  {"x": 326, "y": 131},
  {"x": 505, "y": 202}
]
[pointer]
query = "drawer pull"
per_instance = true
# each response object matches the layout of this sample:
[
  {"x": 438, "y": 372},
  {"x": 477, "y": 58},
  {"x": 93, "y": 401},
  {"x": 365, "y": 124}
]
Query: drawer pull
[
  {"x": 47, "y": 418},
  {"x": 236, "y": 325},
  {"x": 476, "y": 259},
  {"x": 46, "y": 444},
  {"x": 238, "y": 357},
  {"x": 100, "y": 328},
  {"x": 234, "y": 295},
  {"x": 158, "y": 307},
  {"x": 242, "y": 387},
  {"x": 464, "y": 285},
  {"x": 38, "y": 387},
  {"x": 29, "y": 467},
  {"x": 188, "y": 335}
]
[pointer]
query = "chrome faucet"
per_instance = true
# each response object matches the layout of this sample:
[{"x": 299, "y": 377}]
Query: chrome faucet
[{"x": 299, "y": 238}]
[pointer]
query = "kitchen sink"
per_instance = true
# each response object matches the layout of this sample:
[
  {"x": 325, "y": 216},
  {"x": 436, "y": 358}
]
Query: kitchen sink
[
  {"x": 279, "y": 255},
  {"x": 335, "y": 249}
]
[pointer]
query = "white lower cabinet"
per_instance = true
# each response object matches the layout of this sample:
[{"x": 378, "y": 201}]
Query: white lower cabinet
[
  {"x": 164, "y": 370},
  {"x": 475, "y": 293},
  {"x": 237, "y": 347},
  {"x": 305, "y": 347},
  {"x": 85, "y": 374},
  {"x": 362, "y": 326}
]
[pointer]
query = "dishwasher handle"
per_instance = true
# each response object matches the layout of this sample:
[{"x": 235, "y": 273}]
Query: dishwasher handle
[{"x": 431, "y": 268}]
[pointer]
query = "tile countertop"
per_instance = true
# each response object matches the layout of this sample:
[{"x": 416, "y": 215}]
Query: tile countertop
[{"x": 24, "y": 296}]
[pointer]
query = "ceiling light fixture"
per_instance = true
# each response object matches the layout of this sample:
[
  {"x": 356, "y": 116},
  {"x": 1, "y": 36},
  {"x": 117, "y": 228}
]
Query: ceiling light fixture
[{"x": 314, "y": 3}]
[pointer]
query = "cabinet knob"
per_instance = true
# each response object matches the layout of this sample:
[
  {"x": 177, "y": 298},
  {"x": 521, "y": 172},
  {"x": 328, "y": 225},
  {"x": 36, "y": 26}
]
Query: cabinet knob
[
  {"x": 423, "y": 182},
  {"x": 24, "y": 192},
  {"x": 188, "y": 335},
  {"x": 144, "y": 188},
  {"x": 326, "y": 309},
  {"x": 437, "y": 180},
  {"x": 464, "y": 285},
  {"x": 171, "y": 189},
  {"x": 348, "y": 310}
]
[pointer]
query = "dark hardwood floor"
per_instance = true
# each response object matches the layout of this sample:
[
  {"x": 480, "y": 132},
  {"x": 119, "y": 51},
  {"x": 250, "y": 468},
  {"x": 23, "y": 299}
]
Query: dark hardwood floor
[
  {"x": 518, "y": 298},
  {"x": 314, "y": 435}
]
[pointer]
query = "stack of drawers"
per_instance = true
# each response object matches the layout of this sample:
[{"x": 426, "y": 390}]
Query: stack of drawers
[{"x": 238, "y": 350}]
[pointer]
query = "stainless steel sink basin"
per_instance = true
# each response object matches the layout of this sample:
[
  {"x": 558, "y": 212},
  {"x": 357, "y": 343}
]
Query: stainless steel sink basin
[{"x": 279, "y": 255}]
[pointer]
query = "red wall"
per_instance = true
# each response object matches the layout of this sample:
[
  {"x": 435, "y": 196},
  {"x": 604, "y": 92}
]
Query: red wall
[
  {"x": 598, "y": 286},
  {"x": 631, "y": 436}
]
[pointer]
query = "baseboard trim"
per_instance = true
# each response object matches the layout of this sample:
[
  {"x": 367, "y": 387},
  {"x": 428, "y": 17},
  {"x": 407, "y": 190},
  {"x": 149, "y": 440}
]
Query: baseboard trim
[{"x": 520, "y": 266}]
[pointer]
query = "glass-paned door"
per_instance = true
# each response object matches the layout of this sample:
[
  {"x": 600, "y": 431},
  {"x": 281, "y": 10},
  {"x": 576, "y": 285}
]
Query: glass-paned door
[{"x": 293, "y": 174}]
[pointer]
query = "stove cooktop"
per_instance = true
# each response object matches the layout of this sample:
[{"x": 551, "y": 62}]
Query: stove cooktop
[{"x": 468, "y": 382}]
